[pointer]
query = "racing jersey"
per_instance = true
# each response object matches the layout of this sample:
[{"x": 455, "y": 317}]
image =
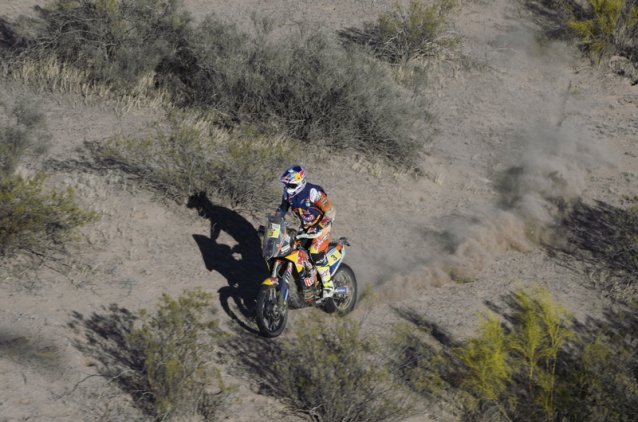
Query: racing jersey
[{"x": 310, "y": 205}]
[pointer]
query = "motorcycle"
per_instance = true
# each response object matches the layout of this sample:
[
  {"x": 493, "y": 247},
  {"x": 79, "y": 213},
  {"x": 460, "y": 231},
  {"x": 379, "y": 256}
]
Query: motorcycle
[{"x": 294, "y": 282}]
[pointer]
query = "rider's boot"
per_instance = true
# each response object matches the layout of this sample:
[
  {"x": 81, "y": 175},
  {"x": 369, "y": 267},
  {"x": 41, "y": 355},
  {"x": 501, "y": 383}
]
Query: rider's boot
[{"x": 328, "y": 287}]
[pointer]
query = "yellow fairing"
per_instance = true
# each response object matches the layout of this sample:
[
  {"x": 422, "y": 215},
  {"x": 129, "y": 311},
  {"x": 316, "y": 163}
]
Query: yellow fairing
[{"x": 293, "y": 258}]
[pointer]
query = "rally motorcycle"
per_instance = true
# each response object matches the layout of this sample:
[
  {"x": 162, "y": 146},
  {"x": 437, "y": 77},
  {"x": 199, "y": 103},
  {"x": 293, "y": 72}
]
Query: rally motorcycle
[{"x": 294, "y": 281}]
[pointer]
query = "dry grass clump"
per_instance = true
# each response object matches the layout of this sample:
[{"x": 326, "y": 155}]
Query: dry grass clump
[
  {"x": 193, "y": 156},
  {"x": 177, "y": 344},
  {"x": 326, "y": 373}
]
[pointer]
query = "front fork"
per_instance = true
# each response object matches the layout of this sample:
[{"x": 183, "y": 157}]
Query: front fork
[{"x": 282, "y": 281}]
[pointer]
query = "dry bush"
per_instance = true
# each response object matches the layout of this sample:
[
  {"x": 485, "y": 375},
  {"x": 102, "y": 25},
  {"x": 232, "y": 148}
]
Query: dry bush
[
  {"x": 403, "y": 34},
  {"x": 194, "y": 156},
  {"x": 304, "y": 83},
  {"x": 177, "y": 343},
  {"x": 34, "y": 219},
  {"x": 327, "y": 372},
  {"x": 114, "y": 41}
]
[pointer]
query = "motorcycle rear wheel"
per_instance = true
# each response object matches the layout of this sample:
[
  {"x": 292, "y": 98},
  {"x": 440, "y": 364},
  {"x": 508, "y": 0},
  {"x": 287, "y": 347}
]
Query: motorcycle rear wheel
[
  {"x": 343, "y": 304},
  {"x": 271, "y": 314}
]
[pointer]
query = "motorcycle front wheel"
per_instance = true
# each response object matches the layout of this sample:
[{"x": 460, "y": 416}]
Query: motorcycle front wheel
[
  {"x": 343, "y": 303},
  {"x": 272, "y": 312}
]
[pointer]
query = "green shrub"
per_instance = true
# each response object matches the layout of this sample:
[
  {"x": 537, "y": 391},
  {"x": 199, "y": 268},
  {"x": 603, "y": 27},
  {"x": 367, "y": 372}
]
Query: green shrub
[
  {"x": 25, "y": 134},
  {"x": 488, "y": 367},
  {"x": 34, "y": 219},
  {"x": 402, "y": 34},
  {"x": 611, "y": 27},
  {"x": 193, "y": 156},
  {"x": 177, "y": 342},
  {"x": 326, "y": 372}
]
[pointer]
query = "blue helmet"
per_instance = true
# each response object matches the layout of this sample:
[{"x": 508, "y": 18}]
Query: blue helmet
[{"x": 294, "y": 180}]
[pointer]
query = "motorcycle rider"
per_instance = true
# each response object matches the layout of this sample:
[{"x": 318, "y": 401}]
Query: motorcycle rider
[{"x": 311, "y": 205}]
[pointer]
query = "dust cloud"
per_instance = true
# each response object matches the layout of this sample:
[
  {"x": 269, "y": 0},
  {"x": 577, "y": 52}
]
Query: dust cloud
[{"x": 547, "y": 166}]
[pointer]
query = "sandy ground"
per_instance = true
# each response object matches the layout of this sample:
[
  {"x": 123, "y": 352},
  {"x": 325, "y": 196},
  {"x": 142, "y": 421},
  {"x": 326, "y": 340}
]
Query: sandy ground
[{"x": 520, "y": 123}]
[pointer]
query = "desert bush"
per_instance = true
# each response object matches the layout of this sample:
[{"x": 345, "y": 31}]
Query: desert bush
[
  {"x": 35, "y": 219},
  {"x": 326, "y": 372},
  {"x": 610, "y": 27},
  {"x": 24, "y": 134},
  {"x": 114, "y": 41},
  {"x": 402, "y": 34},
  {"x": 303, "y": 83},
  {"x": 193, "y": 156},
  {"x": 177, "y": 342},
  {"x": 32, "y": 218}
]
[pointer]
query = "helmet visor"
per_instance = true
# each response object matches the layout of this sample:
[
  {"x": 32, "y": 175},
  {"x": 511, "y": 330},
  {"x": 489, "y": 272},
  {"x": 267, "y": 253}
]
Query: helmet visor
[{"x": 292, "y": 185}]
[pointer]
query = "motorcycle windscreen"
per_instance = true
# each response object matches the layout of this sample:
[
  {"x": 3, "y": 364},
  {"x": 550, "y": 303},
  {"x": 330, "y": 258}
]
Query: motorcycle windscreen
[{"x": 273, "y": 238}]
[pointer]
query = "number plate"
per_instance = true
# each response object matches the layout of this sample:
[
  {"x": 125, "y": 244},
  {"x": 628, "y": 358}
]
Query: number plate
[{"x": 273, "y": 231}]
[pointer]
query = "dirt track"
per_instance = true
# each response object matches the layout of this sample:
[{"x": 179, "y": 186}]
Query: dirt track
[{"x": 520, "y": 124}]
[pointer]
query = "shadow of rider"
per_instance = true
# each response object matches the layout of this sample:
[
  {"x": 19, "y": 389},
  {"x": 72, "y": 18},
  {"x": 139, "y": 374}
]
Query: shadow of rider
[{"x": 242, "y": 265}]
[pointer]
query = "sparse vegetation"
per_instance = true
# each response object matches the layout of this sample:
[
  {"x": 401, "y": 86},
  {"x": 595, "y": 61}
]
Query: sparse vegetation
[
  {"x": 304, "y": 85},
  {"x": 177, "y": 342},
  {"x": 32, "y": 218},
  {"x": 194, "y": 156}
]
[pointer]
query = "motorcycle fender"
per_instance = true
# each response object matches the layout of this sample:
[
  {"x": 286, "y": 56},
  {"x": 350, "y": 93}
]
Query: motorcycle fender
[{"x": 270, "y": 281}]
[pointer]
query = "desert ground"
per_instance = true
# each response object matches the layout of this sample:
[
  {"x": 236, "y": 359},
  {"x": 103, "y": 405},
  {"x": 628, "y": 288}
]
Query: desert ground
[{"x": 514, "y": 125}]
